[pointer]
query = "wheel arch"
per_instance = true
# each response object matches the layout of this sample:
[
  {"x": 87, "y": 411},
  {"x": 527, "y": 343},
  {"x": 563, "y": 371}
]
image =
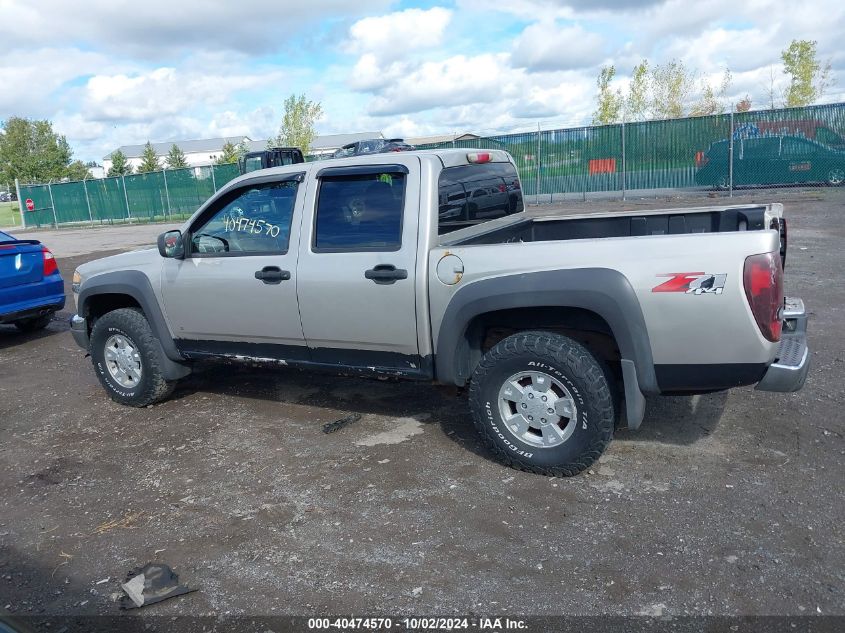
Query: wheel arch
[
  {"x": 124, "y": 289},
  {"x": 597, "y": 297}
]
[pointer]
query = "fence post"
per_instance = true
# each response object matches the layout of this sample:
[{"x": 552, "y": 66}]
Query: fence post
[
  {"x": 623, "y": 157},
  {"x": 125, "y": 197},
  {"x": 52, "y": 204},
  {"x": 167, "y": 194},
  {"x": 213, "y": 180},
  {"x": 537, "y": 191},
  {"x": 87, "y": 201},
  {"x": 731, "y": 161},
  {"x": 20, "y": 203}
]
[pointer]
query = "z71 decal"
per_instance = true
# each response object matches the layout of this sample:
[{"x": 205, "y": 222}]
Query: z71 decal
[{"x": 692, "y": 283}]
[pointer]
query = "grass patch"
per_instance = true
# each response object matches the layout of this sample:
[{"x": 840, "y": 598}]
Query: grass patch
[{"x": 9, "y": 214}]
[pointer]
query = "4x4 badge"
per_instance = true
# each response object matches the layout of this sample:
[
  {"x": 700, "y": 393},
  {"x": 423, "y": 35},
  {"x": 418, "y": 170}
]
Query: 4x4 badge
[{"x": 693, "y": 283}]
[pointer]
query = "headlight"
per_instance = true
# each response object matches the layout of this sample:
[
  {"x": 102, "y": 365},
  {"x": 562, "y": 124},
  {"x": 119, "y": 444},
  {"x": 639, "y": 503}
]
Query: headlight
[{"x": 77, "y": 281}]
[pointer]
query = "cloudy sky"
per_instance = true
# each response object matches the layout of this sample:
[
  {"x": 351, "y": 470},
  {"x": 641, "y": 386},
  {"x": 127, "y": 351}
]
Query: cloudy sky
[{"x": 109, "y": 73}]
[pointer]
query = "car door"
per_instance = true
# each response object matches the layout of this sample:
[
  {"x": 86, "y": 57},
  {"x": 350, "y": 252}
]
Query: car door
[
  {"x": 758, "y": 162},
  {"x": 234, "y": 293},
  {"x": 798, "y": 160},
  {"x": 356, "y": 280}
]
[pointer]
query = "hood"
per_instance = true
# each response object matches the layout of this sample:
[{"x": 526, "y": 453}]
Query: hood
[{"x": 125, "y": 261}]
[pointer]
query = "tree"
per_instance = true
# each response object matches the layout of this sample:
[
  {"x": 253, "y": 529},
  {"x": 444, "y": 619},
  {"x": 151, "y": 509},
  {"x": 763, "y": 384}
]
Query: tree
[
  {"x": 661, "y": 91},
  {"x": 671, "y": 89},
  {"x": 32, "y": 152},
  {"x": 243, "y": 148},
  {"x": 610, "y": 101},
  {"x": 298, "y": 124},
  {"x": 744, "y": 104},
  {"x": 175, "y": 157},
  {"x": 637, "y": 102},
  {"x": 78, "y": 170},
  {"x": 712, "y": 100},
  {"x": 229, "y": 154},
  {"x": 149, "y": 160},
  {"x": 809, "y": 79},
  {"x": 120, "y": 165}
]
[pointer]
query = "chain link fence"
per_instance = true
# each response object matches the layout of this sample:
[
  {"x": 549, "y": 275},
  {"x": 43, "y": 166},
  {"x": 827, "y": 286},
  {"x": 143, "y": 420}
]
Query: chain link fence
[{"x": 797, "y": 146}]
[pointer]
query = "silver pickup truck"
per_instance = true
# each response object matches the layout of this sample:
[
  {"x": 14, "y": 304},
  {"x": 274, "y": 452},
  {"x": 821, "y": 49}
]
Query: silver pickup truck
[{"x": 425, "y": 266}]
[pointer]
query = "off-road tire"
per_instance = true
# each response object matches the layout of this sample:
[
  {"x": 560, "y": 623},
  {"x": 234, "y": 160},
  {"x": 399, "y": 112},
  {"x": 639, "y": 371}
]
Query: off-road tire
[
  {"x": 570, "y": 363},
  {"x": 35, "y": 323},
  {"x": 131, "y": 323}
]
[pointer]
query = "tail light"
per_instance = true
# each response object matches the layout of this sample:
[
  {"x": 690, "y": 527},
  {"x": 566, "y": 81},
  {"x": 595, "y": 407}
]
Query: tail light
[
  {"x": 50, "y": 266},
  {"x": 763, "y": 281},
  {"x": 701, "y": 159}
]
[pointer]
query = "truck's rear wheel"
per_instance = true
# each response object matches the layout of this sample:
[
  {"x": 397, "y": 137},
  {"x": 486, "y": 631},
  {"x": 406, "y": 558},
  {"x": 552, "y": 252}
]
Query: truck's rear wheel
[
  {"x": 543, "y": 403},
  {"x": 123, "y": 351}
]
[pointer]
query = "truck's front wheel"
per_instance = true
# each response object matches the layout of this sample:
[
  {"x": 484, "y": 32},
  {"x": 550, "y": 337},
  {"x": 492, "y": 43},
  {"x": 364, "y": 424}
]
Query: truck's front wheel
[
  {"x": 543, "y": 403},
  {"x": 123, "y": 350}
]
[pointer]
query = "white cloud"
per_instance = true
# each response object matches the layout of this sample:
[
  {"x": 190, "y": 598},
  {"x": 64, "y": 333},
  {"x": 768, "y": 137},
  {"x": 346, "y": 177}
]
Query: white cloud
[
  {"x": 546, "y": 46},
  {"x": 392, "y": 36},
  {"x": 454, "y": 81},
  {"x": 165, "y": 92},
  {"x": 155, "y": 29}
]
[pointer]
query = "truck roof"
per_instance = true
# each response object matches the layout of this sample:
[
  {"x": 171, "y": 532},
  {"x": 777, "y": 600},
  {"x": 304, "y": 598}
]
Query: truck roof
[{"x": 451, "y": 157}]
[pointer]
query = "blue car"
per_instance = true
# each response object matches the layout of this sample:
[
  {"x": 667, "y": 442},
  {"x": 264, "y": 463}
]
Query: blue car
[{"x": 31, "y": 288}]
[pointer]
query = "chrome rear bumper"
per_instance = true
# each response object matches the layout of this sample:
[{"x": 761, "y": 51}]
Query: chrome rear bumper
[{"x": 789, "y": 371}]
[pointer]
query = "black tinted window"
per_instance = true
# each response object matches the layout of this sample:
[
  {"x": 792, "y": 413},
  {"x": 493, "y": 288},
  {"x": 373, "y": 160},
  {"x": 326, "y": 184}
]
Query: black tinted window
[
  {"x": 761, "y": 148},
  {"x": 470, "y": 194},
  {"x": 253, "y": 219},
  {"x": 360, "y": 213}
]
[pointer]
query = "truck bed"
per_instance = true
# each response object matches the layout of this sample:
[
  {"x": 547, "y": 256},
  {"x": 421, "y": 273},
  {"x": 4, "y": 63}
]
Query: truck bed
[{"x": 530, "y": 228}]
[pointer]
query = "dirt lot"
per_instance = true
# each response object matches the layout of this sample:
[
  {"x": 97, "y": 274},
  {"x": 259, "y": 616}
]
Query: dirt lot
[{"x": 730, "y": 503}]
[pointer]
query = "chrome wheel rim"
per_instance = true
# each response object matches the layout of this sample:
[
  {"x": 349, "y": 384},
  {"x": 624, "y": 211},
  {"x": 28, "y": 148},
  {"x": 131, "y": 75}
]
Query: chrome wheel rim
[
  {"x": 123, "y": 361},
  {"x": 836, "y": 176},
  {"x": 537, "y": 409}
]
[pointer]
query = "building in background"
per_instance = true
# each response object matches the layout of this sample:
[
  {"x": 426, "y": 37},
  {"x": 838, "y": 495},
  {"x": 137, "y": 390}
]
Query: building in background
[
  {"x": 198, "y": 152},
  {"x": 441, "y": 138}
]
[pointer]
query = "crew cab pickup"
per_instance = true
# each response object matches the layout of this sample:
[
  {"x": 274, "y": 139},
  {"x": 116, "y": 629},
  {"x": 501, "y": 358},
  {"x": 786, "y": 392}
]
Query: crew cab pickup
[{"x": 384, "y": 265}]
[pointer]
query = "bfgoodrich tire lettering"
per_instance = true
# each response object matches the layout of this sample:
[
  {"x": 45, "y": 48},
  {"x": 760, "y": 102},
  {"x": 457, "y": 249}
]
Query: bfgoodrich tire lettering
[
  {"x": 569, "y": 364},
  {"x": 131, "y": 324}
]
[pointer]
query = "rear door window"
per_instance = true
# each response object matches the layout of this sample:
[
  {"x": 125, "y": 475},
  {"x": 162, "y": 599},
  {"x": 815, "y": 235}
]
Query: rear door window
[
  {"x": 470, "y": 194},
  {"x": 360, "y": 212}
]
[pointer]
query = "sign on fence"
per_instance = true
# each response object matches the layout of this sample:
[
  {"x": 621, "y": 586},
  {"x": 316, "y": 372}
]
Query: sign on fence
[{"x": 30, "y": 205}]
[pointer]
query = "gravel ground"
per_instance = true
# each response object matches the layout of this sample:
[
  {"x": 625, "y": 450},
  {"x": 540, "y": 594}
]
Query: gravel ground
[{"x": 729, "y": 503}]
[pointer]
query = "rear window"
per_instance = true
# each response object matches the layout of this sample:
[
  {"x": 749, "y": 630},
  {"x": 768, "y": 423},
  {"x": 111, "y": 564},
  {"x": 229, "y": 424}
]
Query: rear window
[
  {"x": 5, "y": 237},
  {"x": 471, "y": 194}
]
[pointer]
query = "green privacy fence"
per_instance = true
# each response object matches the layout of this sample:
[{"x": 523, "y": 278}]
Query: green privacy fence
[
  {"x": 761, "y": 148},
  {"x": 153, "y": 196},
  {"x": 797, "y": 146}
]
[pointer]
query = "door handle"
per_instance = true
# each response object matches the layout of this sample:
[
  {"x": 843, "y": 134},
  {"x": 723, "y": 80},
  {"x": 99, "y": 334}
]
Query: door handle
[
  {"x": 386, "y": 274},
  {"x": 272, "y": 275}
]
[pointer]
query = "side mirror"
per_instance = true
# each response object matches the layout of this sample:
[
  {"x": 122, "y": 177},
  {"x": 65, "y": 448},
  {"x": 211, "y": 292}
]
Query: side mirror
[{"x": 170, "y": 244}]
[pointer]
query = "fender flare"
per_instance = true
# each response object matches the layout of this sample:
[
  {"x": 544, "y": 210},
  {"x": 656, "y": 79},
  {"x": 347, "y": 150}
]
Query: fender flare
[
  {"x": 136, "y": 284},
  {"x": 603, "y": 291}
]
